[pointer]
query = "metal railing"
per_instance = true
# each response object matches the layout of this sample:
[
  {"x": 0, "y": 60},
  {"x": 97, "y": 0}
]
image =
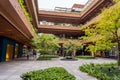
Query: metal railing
[
  {"x": 62, "y": 25},
  {"x": 60, "y": 11}
]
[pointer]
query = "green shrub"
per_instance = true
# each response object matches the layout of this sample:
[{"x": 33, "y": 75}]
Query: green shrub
[
  {"x": 85, "y": 57},
  {"x": 102, "y": 71},
  {"x": 24, "y": 8},
  {"x": 44, "y": 52},
  {"x": 52, "y": 56},
  {"x": 47, "y": 57},
  {"x": 27, "y": 14},
  {"x": 55, "y": 73}
]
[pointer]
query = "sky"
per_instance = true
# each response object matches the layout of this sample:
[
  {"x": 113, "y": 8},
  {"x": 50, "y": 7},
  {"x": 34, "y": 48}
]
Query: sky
[{"x": 51, "y": 4}]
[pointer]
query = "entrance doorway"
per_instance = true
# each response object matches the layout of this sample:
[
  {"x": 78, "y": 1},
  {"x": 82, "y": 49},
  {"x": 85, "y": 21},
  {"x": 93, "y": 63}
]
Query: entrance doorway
[{"x": 9, "y": 52}]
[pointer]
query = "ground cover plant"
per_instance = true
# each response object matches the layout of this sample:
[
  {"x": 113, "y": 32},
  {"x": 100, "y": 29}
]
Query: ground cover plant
[
  {"x": 85, "y": 57},
  {"x": 54, "y": 73},
  {"x": 47, "y": 57},
  {"x": 102, "y": 71}
]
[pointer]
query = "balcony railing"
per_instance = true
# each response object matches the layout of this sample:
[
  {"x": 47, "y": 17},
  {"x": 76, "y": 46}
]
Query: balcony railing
[
  {"x": 52, "y": 10},
  {"x": 62, "y": 25}
]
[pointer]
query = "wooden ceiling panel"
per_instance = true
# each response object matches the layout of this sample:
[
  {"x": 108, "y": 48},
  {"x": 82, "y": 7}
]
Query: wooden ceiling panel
[
  {"x": 7, "y": 30},
  {"x": 59, "y": 20},
  {"x": 59, "y": 17}
]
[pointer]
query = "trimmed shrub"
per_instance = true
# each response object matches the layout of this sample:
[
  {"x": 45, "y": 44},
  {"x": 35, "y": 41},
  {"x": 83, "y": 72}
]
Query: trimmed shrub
[
  {"x": 85, "y": 57},
  {"x": 44, "y": 52},
  {"x": 47, "y": 57},
  {"x": 102, "y": 71},
  {"x": 55, "y": 73}
]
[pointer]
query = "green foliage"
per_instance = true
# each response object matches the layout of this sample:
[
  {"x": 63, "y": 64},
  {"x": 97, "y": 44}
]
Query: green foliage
[
  {"x": 102, "y": 71},
  {"x": 99, "y": 41},
  {"x": 55, "y": 73},
  {"x": 105, "y": 33},
  {"x": 91, "y": 36},
  {"x": 47, "y": 57},
  {"x": 85, "y": 57},
  {"x": 46, "y": 43},
  {"x": 100, "y": 45},
  {"x": 116, "y": 0},
  {"x": 92, "y": 48},
  {"x": 104, "y": 44},
  {"x": 109, "y": 24},
  {"x": 22, "y": 2},
  {"x": 29, "y": 18},
  {"x": 45, "y": 52},
  {"x": 72, "y": 45}
]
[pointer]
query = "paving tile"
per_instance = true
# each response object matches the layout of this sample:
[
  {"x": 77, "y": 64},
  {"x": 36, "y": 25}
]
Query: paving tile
[{"x": 13, "y": 69}]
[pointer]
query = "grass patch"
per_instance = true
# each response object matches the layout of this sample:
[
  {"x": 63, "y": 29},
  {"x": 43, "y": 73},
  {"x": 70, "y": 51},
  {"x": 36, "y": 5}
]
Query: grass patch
[
  {"x": 102, "y": 71},
  {"x": 55, "y": 73},
  {"x": 85, "y": 57},
  {"x": 47, "y": 57}
]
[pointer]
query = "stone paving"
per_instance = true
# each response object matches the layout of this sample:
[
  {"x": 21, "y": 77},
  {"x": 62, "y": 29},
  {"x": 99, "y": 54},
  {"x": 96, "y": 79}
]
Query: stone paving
[{"x": 12, "y": 70}]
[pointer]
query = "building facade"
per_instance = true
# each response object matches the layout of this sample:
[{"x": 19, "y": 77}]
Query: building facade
[{"x": 16, "y": 31}]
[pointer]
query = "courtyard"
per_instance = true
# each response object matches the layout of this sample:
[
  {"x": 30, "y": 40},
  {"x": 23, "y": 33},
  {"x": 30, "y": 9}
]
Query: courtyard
[
  {"x": 13, "y": 69},
  {"x": 76, "y": 40}
]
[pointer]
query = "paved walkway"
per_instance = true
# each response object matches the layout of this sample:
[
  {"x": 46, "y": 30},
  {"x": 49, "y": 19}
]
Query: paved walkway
[{"x": 13, "y": 69}]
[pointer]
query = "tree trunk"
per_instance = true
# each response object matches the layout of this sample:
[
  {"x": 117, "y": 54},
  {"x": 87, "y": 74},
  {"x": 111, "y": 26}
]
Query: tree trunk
[
  {"x": 119, "y": 54},
  {"x": 93, "y": 54},
  {"x": 74, "y": 52},
  {"x": 118, "y": 41}
]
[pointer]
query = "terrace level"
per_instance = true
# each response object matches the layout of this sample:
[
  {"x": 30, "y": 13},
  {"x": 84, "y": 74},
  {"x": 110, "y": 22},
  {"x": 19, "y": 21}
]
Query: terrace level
[{"x": 61, "y": 30}]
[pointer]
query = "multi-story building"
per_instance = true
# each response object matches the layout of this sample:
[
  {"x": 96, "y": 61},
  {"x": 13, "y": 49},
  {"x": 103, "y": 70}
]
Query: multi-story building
[
  {"x": 77, "y": 8},
  {"x": 16, "y": 28},
  {"x": 92, "y": 10}
]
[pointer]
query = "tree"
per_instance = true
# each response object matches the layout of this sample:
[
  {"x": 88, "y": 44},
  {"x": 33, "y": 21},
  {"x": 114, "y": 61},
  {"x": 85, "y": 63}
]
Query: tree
[
  {"x": 46, "y": 43},
  {"x": 98, "y": 34},
  {"x": 109, "y": 25},
  {"x": 92, "y": 49},
  {"x": 91, "y": 36},
  {"x": 72, "y": 46}
]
